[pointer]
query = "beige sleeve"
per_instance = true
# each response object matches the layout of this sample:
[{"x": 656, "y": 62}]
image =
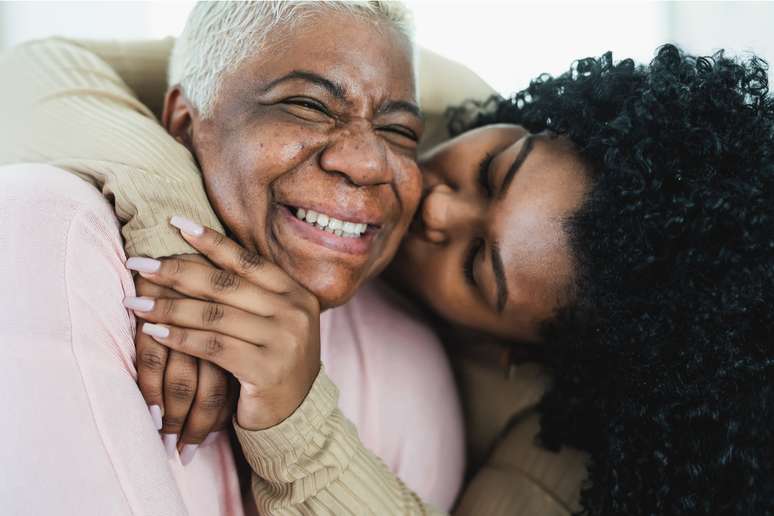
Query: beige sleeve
[
  {"x": 64, "y": 106},
  {"x": 314, "y": 463}
]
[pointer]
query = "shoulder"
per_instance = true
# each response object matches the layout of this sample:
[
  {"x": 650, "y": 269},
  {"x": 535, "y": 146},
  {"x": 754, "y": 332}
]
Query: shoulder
[{"x": 401, "y": 341}]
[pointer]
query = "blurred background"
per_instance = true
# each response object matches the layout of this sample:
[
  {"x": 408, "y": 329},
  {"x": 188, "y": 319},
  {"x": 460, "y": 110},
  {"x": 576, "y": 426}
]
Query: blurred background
[{"x": 506, "y": 43}]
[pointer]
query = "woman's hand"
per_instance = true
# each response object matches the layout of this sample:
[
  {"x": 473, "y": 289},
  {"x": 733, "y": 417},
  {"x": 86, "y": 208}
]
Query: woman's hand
[
  {"x": 188, "y": 398},
  {"x": 243, "y": 314}
]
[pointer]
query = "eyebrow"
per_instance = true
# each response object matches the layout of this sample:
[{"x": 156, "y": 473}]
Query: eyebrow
[
  {"x": 399, "y": 105},
  {"x": 336, "y": 90},
  {"x": 499, "y": 274},
  {"x": 521, "y": 157}
]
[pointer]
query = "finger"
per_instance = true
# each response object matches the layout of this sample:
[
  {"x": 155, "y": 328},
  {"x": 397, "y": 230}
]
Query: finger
[
  {"x": 180, "y": 381},
  {"x": 242, "y": 359},
  {"x": 231, "y": 256},
  {"x": 205, "y": 282},
  {"x": 211, "y": 397},
  {"x": 151, "y": 362},
  {"x": 224, "y": 418},
  {"x": 204, "y": 315},
  {"x": 145, "y": 287}
]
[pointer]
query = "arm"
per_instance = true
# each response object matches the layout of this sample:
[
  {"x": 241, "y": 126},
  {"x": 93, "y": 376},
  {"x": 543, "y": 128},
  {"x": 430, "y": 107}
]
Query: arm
[
  {"x": 314, "y": 462},
  {"x": 64, "y": 106},
  {"x": 306, "y": 455}
]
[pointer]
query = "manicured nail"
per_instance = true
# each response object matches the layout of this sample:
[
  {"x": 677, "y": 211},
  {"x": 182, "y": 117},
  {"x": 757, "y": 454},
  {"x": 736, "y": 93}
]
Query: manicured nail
[
  {"x": 141, "y": 304},
  {"x": 170, "y": 444},
  {"x": 187, "y": 225},
  {"x": 211, "y": 438},
  {"x": 141, "y": 264},
  {"x": 155, "y": 412},
  {"x": 155, "y": 330},
  {"x": 187, "y": 453}
]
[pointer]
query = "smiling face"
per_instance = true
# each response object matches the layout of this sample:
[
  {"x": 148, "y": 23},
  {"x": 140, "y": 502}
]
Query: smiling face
[
  {"x": 322, "y": 123},
  {"x": 489, "y": 249}
]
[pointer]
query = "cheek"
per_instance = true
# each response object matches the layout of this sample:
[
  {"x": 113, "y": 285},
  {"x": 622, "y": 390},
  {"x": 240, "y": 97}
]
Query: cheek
[{"x": 408, "y": 185}]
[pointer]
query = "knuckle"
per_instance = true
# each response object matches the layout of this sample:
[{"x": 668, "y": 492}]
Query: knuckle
[
  {"x": 180, "y": 389},
  {"x": 172, "y": 422},
  {"x": 218, "y": 240},
  {"x": 212, "y": 401},
  {"x": 151, "y": 360},
  {"x": 169, "y": 307},
  {"x": 212, "y": 313},
  {"x": 181, "y": 337},
  {"x": 250, "y": 261},
  {"x": 213, "y": 345},
  {"x": 221, "y": 280}
]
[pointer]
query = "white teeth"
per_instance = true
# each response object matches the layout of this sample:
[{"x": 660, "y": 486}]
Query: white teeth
[{"x": 332, "y": 225}]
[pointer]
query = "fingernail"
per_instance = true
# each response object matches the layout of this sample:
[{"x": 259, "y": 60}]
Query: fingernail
[
  {"x": 210, "y": 439},
  {"x": 187, "y": 453},
  {"x": 187, "y": 225},
  {"x": 141, "y": 304},
  {"x": 170, "y": 444},
  {"x": 155, "y": 330},
  {"x": 155, "y": 412},
  {"x": 141, "y": 264}
]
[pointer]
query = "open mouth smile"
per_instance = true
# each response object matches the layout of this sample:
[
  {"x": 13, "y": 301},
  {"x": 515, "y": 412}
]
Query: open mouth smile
[{"x": 346, "y": 236}]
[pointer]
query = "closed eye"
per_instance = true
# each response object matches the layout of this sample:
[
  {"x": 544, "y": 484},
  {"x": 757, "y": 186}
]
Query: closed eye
[
  {"x": 401, "y": 130},
  {"x": 308, "y": 103},
  {"x": 483, "y": 174},
  {"x": 470, "y": 259}
]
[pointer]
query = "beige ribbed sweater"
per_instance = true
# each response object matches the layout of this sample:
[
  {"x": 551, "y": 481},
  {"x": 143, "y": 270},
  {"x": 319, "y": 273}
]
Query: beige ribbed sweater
[{"x": 65, "y": 106}]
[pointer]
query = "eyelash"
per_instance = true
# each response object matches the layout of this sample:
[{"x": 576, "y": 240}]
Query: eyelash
[
  {"x": 470, "y": 258},
  {"x": 411, "y": 135},
  {"x": 309, "y": 104},
  {"x": 483, "y": 174}
]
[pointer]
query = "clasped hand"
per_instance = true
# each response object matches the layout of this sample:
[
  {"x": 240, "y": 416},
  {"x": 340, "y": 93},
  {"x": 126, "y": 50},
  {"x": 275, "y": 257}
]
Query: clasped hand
[{"x": 240, "y": 313}]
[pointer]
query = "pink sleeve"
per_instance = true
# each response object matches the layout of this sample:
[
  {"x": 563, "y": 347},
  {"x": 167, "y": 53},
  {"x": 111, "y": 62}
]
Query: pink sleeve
[{"x": 77, "y": 437}]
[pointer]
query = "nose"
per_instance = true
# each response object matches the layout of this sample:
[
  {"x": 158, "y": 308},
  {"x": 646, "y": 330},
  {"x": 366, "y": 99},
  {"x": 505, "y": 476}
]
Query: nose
[
  {"x": 446, "y": 214},
  {"x": 359, "y": 155}
]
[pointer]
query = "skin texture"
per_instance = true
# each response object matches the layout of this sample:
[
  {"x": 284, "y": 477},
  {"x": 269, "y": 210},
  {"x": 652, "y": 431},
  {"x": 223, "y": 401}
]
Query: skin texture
[
  {"x": 298, "y": 144},
  {"x": 460, "y": 218}
]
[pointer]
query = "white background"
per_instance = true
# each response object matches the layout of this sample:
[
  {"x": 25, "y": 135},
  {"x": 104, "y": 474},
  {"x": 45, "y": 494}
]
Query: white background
[{"x": 507, "y": 43}]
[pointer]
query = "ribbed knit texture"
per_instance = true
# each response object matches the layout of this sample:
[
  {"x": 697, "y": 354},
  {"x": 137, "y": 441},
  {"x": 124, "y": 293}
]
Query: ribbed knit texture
[
  {"x": 314, "y": 463},
  {"x": 64, "y": 106}
]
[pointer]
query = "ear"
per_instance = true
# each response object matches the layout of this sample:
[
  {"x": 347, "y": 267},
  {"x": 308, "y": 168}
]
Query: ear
[{"x": 178, "y": 117}]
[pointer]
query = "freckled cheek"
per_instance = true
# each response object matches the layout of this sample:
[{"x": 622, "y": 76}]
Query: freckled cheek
[{"x": 409, "y": 188}]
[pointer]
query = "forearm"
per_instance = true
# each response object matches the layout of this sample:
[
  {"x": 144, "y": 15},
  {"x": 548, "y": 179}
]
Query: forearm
[
  {"x": 314, "y": 462},
  {"x": 66, "y": 107}
]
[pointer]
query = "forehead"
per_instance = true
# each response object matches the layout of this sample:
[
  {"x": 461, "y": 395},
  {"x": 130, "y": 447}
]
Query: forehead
[{"x": 368, "y": 58}]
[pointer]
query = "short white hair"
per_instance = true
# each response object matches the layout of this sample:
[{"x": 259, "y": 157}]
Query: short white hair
[{"x": 219, "y": 36}]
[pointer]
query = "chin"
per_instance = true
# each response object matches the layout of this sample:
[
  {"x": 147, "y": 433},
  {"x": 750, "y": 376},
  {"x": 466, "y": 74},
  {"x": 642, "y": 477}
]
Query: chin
[{"x": 331, "y": 290}]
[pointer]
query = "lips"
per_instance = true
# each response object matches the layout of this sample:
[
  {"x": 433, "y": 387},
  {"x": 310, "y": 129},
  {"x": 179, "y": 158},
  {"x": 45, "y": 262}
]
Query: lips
[{"x": 296, "y": 232}]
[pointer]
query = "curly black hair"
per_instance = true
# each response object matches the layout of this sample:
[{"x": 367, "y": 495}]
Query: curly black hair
[{"x": 663, "y": 363}]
